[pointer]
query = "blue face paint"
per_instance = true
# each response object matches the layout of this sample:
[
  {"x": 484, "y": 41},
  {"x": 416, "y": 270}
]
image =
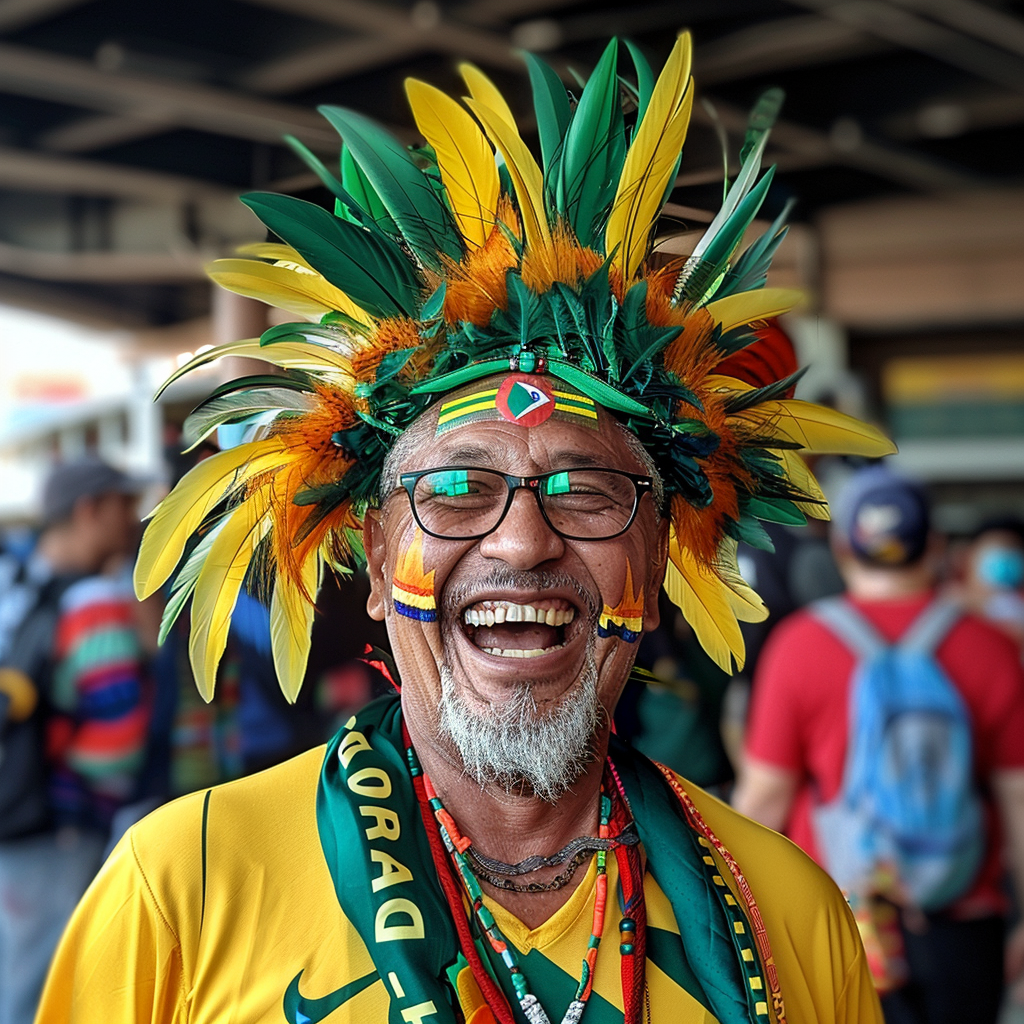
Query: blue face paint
[{"x": 1002, "y": 568}]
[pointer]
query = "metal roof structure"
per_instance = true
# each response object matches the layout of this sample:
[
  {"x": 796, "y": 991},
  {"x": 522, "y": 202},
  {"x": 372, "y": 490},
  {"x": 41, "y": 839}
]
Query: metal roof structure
[{"x": 127, "y": 129}]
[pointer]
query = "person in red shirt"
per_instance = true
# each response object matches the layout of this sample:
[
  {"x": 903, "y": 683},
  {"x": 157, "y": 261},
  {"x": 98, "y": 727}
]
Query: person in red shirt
[{"x": 796, "y": 746}]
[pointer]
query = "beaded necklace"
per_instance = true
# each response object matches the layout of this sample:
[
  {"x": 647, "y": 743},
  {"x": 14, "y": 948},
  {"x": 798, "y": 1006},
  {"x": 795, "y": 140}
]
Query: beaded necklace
[{"x": 457, "y": 845}]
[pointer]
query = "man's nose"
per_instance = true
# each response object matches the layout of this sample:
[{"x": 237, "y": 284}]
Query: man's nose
[{"x": 524, "y": 539}]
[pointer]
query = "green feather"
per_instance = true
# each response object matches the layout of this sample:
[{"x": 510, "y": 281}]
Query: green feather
[
  {"x": 551, "y": 103},
  {"x": 762, "y": 118},
  {"x": 594, "y": 151},
  {"x": 425, "y": 223},
  {"x": 370, "y": 268},
  {"x": 702, "y": 271},
  {"x": 751, "y": 269},
  {"x": 644, "y": 81},
  {"x": 185, "y": 581},
  {"x": 448, "y": 381},
  {"x": 354, "y": 211},
  {"x": 595, "y": 388},
  {"x": 208, "y": 416},
  {"x": 775, "y": 510},
  {"x": 357, "y": 185}
]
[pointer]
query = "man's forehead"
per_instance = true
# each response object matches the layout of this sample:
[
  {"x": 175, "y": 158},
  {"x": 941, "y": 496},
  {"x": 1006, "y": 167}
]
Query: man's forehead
[{"x": 526, "y": 400}]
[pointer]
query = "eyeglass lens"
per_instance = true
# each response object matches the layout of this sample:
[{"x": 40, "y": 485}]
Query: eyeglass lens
[{"x": 588, "y": 503}]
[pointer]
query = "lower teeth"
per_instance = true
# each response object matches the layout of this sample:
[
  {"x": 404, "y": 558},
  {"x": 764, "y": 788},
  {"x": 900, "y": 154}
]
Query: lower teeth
[{"x": 516, "y": 652}]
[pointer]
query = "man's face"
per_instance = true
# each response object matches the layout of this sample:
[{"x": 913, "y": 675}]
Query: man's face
[{"x": 550, "y": 591}]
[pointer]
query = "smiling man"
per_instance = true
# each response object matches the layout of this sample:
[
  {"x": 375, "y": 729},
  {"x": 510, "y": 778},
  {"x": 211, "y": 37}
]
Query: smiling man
[{"x": 516, "y": 421}]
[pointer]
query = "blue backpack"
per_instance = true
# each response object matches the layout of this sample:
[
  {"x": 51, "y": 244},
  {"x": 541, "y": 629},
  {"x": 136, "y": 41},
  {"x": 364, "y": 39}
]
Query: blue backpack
[{"x": 908, "y": 806}]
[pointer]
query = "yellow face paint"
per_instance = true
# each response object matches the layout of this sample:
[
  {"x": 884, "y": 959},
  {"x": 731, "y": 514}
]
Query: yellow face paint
[
  {"x": 626, "y": 619},
  {"x": 412, "y": 589}
]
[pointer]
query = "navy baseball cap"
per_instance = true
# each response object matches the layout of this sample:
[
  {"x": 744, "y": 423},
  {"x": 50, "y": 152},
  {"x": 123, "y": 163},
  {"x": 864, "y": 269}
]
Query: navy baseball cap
[{"x": 883, "y": 517}]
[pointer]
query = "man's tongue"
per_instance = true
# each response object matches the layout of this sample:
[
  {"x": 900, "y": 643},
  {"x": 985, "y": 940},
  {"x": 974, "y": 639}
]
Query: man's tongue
[{"x": 525, "y": 636}]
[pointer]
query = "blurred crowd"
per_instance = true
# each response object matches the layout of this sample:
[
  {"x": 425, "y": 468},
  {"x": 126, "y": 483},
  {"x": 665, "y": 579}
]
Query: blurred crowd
[{"x": 99, "y": 723}]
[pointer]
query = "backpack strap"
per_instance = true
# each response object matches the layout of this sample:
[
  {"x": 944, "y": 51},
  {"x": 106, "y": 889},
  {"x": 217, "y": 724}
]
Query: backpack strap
[
  {"x": 841, "y": 619},
  {"x": 931, "y": 627}
]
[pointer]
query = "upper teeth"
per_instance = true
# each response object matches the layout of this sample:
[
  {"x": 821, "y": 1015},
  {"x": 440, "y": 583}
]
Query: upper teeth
[{"x": 491, "y": 612}]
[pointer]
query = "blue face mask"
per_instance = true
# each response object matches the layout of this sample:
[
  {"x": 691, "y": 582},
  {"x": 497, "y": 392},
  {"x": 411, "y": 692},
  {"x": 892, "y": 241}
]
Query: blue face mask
[{"x": 1002, "y": 568}]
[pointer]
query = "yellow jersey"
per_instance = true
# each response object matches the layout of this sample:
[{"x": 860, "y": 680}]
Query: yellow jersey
[{"x": 219, "y": 908}]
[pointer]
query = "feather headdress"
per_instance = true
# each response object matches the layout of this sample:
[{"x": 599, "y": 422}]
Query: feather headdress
[{"x": 444, "y": 264}]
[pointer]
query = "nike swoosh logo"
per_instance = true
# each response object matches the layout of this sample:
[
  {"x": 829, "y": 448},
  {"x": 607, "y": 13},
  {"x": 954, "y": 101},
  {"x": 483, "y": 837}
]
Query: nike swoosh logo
[{"x": 300, "y": 1010}]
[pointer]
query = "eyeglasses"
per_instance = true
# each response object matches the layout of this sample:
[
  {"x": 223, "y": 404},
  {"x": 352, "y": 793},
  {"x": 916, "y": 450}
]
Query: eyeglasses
[{"x": 467, "y": 503}]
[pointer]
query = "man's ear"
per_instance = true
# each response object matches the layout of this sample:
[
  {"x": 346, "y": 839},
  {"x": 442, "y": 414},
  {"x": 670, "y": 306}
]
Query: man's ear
[
  {"x": 652, "y": 616},
  {"x": 376, "y": 554}
]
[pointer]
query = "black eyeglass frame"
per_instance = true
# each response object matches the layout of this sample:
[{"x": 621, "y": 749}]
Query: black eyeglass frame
[{"x": 641, "y": 485}]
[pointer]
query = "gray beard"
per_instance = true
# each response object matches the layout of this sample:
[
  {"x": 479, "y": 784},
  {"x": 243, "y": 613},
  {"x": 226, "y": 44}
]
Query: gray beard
[{"x": 518, "y": 745}]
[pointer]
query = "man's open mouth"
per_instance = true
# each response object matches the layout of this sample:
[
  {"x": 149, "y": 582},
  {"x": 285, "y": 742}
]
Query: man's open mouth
[{"x": 508, "y": 629}]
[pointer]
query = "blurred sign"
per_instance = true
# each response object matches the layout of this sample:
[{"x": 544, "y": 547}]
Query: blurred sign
[{"x": 955, "y": 396}]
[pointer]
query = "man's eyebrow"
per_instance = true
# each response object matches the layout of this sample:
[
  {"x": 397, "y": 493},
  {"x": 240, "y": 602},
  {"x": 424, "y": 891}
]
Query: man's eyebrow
[
  {"x": 469, "y": 454},
  {"x": 573, "y": 459}
]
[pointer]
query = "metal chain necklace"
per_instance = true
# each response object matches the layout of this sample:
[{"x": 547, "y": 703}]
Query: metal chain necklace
[{"x": 572, "y": 849}]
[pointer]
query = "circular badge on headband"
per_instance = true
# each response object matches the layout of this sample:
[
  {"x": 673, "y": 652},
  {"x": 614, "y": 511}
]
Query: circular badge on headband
[{"x": 524, "y": 400}]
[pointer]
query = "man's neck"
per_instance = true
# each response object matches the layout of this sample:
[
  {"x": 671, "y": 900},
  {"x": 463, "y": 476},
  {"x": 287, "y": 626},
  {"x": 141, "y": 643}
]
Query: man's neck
[{"x": 511, "y": 827}]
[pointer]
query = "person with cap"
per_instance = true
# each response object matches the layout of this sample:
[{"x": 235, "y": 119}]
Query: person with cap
[
  {"x": 71, "y": 745},
  {"x": 886, "y": 738},
  {"x": 514, "y": 417}
]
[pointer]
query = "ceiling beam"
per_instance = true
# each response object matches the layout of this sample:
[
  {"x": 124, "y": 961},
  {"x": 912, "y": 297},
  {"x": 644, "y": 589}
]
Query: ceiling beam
[
  {"x": 951, "y": 115},
  {"x": 327, "y": 62},
  {"x": 26, "y": 171},
  {"x": 974, "y": 19},
  {"x": 887, "y": 162},
  {"x": 16, "y": 14},
  {"x": 900, "y": 26},
  {"x": 97, "y": 131},
  {"x": 796, "y": 42},
  {"x": 424, "y": 24},
  {"x": 29, "y": 72},
  {"x": 499, "y": 12},
  {"x": 102, "y": 267}
]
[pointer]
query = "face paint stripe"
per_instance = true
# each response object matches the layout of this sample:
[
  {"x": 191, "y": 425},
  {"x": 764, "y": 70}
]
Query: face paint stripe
[
  {"x": 457, "y": 403},
  {"x": 575, "y": 411},
  {"x": 412, "y": 589},
  {"x": 465, "y": 411},
  {"x": 572, "y": 396},
  {"x": 626, "y": 619}
]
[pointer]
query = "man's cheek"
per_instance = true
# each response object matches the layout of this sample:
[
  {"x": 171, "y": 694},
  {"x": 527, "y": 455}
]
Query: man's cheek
[{"x": 412, "y": 589}]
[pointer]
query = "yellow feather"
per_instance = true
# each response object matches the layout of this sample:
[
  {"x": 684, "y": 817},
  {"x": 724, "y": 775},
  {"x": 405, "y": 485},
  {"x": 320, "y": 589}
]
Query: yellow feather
[
  {"x": 197, "y": 494},
  {"x": 300, "y": 291},
  {"x": 217, "y": 587},
  {"x": 825, "y": 431},
  {"x": 486, "y": 93},
  {"x": 294, "y": 355},
  {"x": 745, "y": 602},
  {"x": 803, "y": 478},
  {"x": 651, "y": 161},
  {"x": 705, "y": 603},
  {"x": 291, "y": 624},
  {"x": 759, "y": 304},
  {"x": 465, "y": 160},
  {"x": 525, "y": 173},
  {"x": 272, "y": 251}
]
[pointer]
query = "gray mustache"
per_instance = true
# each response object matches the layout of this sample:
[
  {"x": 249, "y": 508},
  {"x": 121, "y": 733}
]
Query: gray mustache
[{"x": 460, "y": 594}]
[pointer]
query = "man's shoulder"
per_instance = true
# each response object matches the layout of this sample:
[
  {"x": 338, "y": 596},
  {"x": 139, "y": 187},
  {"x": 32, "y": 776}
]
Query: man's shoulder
[
  {"x": 227, "y": 828},
  {"x": 772, "y": 864}
]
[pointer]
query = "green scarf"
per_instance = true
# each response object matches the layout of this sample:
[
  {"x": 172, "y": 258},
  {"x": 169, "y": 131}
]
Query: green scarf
[{"x": 373, "y": 839}]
